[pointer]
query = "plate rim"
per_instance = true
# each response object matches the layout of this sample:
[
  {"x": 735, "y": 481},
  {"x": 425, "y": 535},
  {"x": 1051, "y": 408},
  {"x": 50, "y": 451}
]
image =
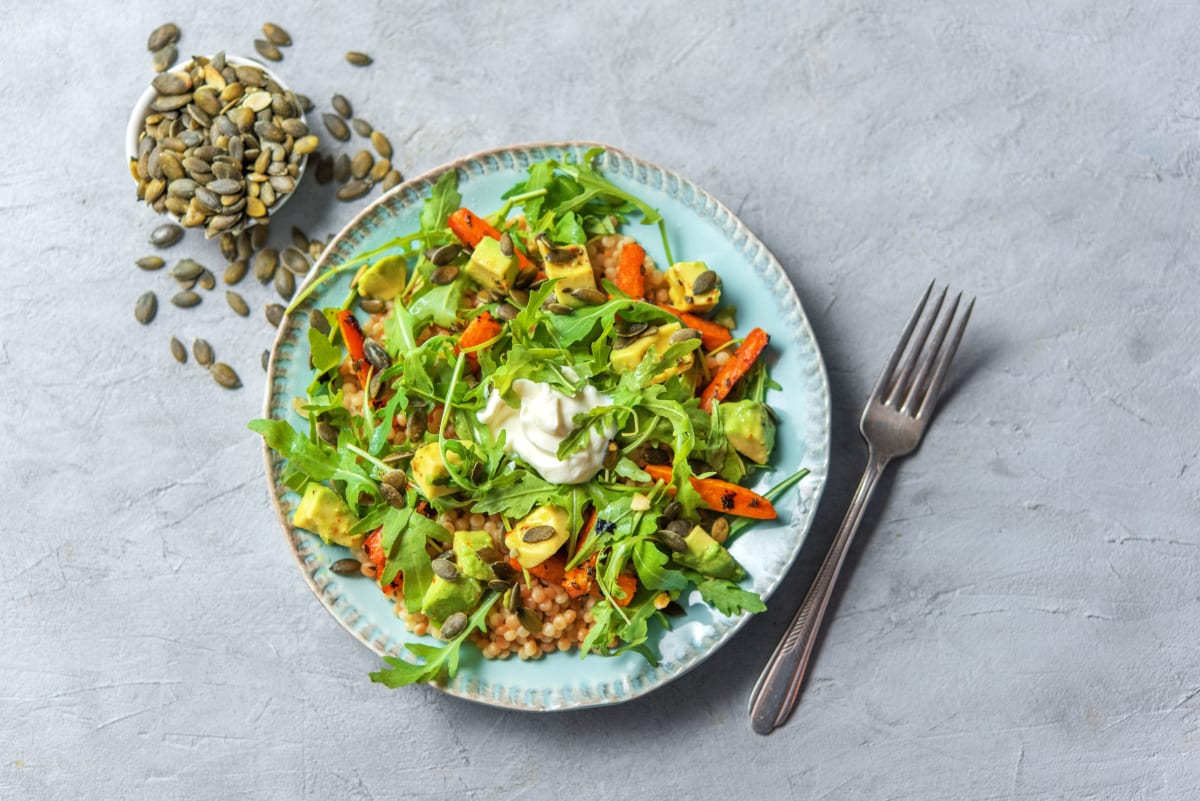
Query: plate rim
[{"x": 467, "y": 691}]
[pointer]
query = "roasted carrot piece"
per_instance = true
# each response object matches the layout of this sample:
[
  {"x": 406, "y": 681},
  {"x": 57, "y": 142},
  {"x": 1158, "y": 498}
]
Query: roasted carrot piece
[
  {"x": 712, "y": 335},
  {"x": 375, "y": 553},
  {"x": 578, "y": 580},
  {"x": 471, "y": 229},
  {"x": 721, "y": 495},
  {"x": 628, "y": 585},
  {"x": 551, "y": 571},
  {"x": 631, "y": 274},
  {"x": 483, "y": 328},
  {"x": 352, "y": 335},
  {"x": 734, "y": 369}
]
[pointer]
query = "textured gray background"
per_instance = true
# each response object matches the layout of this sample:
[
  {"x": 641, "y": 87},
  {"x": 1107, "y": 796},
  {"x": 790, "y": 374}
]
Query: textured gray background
[{"x": 1020, "y": 616}]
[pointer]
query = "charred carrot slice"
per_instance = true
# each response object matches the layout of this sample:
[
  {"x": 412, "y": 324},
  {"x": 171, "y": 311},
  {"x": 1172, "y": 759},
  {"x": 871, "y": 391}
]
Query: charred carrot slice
[
  {"x": 471, "y": 230},
  {"x": 721, "y": 495},
  {"x": 483, "y": 328},
  {"x": 712, "y": 335},
  {"x": 352, "y": 335},
  {"x": 628, "y": 585},
  {"x": 578, "y": 580},
  {"x": 375, "y": 554},
  {"x": 734, "y": 369},
  {"x": 631, "y": 275},
  {"x": 551, "y": 571}
]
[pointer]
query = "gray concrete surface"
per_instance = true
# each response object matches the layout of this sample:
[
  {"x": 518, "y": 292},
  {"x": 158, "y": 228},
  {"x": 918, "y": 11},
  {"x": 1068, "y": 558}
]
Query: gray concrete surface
[{"x": 1020, "y": 619}]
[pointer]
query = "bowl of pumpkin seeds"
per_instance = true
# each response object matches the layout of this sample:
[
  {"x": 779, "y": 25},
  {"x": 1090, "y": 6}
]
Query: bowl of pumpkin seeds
[{"x": 220, "y": 143}]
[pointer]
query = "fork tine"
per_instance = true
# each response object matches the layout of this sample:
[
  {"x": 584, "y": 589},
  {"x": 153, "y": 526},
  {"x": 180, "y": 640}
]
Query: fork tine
[
  {"x": 928, "y": 356},
  {"x": 885, "y": 377},
  {"x": 943, "y": 365},
  {"x": 900, "y": 385}
]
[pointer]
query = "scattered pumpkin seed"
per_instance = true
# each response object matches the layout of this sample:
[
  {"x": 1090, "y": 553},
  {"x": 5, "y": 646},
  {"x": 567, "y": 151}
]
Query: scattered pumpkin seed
[
  {"x": 444, "y": 569},
  {"x": 327, "y": 432},
  {"x": 315, "y": 249},
  {"x": 396, "y": 479},
  {"x": 237, "y": 303},
  {"x": 376, "y": 355},
  {"x": 235, "y": 272},
  {"x": 265, "y": 263},
  {"x": 342, "y": 106},
  {"x": 558, "y": 308},
  {"x": 346, "y": 567},
  {"x": 506, "y": 245},
  {"x": 265, "y": 360},
  {"x": 360, "y": 165},
  {"x": 295, "y": 261},
  {"x": 172, "y": 83},
  {"x": 418, "y": 424},
  {"x": 444, "y": 275},
  {"x": 285, "y": 283},
  {"x": 590, "y": 296},
  {"x": 145, "y": 308},
  {"x": 203, "y": 352},
  {"x": 392, "y": 496},
  {"x": 276, "y": 35},
  {"x": 529, "y": 619},
  {"x": 373, "y": 305},
  {"x": 655, "y": 456},
  {"x": 178, "y": 351},
  {"x": 324, "y": 171},
  {"x": 683, "y": 335},
  {"x": 274, "y": 313},
  {"x": 498, "y": 585},
  {"x": 150, "y": 263},
  {"x": 672, "y": 510},
  {"x": 341, "y": 169},
  {"x": 391, "y": 181},
  {"x": 672, "y": 540},
  {"x": 299, "y": 240},
  {"x": 442, "y": 256},
  {"x": 225, "y": 375},
  {"x": 560, "y": 255},
  {"x": 207, "y": 280},
  {"x": 163, "y": 58},
  {"x": 506, "y": 312},
  {"x": 361, "y": 126},
  {"x": 511, "y": 599},
  {"x": 680, "y": 527},
  {"x": 353, "y": 190},
  {"x": 186, "y": 299},
  {"x": 501, "y": 569},
  {"x": 166, "y": 235},
  {"x": 382, "y": 144},
  {"x": 259, "y": 235},
  {"x": 267, "y": 50},
  {"x": 336, "y": 126},
  {"x": 454, "y": 625},
  {"x": 538, "y": 534},
  {"x": 705, "y": 282},
  {"x": 162, "y": 36},
  {"x": 358, "y": 59},
  {"x": 317, "y": 320}
]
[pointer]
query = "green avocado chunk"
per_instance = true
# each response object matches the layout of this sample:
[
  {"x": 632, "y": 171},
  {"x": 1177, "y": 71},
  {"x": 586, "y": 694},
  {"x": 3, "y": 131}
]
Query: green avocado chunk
[
  {"x": 749, "y": 428},
  {"x": 323, "y": 512},
  {"x": 490, "y": 268},
  {"x": 708, "y": 556},
  {"x": 466, "y": 547},
  {"x": 385, "y": 279},
  {"x": 444, "y": 598}
]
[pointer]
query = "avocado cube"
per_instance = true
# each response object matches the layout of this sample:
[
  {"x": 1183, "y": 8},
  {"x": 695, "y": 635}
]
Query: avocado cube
[
  {"x": 574, "y": 274},
  {"x": 385, "y": 279},
  {"x": 323, "y": 512},
  {"x": 532, "y": 554},
  {"x": 680, "y": 278},
  {"x": 444, "y": 598},
  {"x": 467, "y": 544},
  {"x": 490, "y": 268},
  {"x": 626, "y": 359},
  {"x": 707, "y": 556},
  {"x": 429, "y": 473},
  {"x": 749, "y": 429}
]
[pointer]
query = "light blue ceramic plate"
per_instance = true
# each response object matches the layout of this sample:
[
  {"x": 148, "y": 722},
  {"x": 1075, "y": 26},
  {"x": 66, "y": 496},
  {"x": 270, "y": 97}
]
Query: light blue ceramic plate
[{"x": 700, "y": 228}]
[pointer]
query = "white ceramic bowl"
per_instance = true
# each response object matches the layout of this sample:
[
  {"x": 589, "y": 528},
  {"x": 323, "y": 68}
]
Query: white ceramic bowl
[{"x": 141, "y": 110}]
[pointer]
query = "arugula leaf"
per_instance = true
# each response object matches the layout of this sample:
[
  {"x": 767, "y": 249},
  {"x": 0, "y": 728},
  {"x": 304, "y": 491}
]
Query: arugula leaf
[
  {"x": 594, "y": 185},
  {"x": 439, "y": 304},
  {"x": 602, "y": 628},
  {"x": 539, "y": 178},
  {"x": 728, "y": 598},
  {"x": 443, "y": 200},
  {"x": 517, "y": 497},
  {"x": 413, "y": 560},
  {"x": 436, "y": 658},
  {"x": 651, "y": 566},
  {"x": 318, "y": 462},
  {"x": 568, "y": 229},
  {"x": 627, "y": 468},
  {"x": 325, "y": 355}
]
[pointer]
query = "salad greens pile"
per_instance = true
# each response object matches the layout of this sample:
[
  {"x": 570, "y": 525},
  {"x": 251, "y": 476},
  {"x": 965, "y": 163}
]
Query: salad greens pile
[{"x": 636, "y": 536}]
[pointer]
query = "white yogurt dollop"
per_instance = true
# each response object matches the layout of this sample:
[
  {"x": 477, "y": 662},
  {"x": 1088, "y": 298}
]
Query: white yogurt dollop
[{"x": 544, "y": 419}]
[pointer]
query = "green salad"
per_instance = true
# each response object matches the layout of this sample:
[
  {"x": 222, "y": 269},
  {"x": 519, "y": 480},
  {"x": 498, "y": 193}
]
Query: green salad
[{"x": 526, "y": 432}]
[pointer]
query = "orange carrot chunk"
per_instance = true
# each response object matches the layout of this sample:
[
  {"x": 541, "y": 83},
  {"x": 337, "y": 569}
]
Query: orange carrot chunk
[
  {"x": 628, "y": 585},
  {"x": 352, "y": 335},
  {"x": 631, "y": 273},
  {"x": 734, "y": 369},
  {"x": 712, "y": 335},
  {"x": 721, "y": 495},
  {"x": 471, "y": 230}
]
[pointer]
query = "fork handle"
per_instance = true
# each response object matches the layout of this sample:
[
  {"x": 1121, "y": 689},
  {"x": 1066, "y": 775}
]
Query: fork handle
[{"x": 775, "y": 693}]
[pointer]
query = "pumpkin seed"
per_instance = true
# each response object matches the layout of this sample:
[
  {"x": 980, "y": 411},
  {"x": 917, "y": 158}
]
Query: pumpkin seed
[
  {"x": 145, "y": 308},
  {"x": 203, "y": 352},
  {"x": 629, "y": 329},
  {"x": 317, "y": 321},
  {"x": 259, "y": 234},
  {"x": 299, "y": 240},
  {"x": 324, "y": 170},
  {"x": 171, "y": 83},
  {"x": 285, "y": 284},
  {"x": 683, "y": 335},
  {"x": 276, "y": 35},
  {"x": 392, "y": 496},
  {"x": 705, "y": 282},
  {"x": 237, "y": 303},
  {"x": 206, "y": 280},
  {"x": 274, "y": 313},
  {"x": 454, "y": 625},
  {"x": 228, "y": 245},
  {"x": 590, "y": 296},
  {"x": 655, "y": 456},
  {"x": 672, "y": 510},
  {"x": 178, "y": 351},
  {"x": 375, "y": 355},
  {"x": 375, "y": 387},
  {"x": 498, "y": 585},
  {"x": 342, "y": 106},
  {"x": 346, "y": 567},
  {"x": 294, "y": 260},
  {"x": 391, "y": 181},
  {"x": 166, "y": 235},
  {"x": 560, "y": 256},
  {"x": 245, "y": 244},
  {"x": 396, "y": 479},
  {"x": 672, "y": 540},
  {"x": 379, "y": 170},
  {"x": 538, "y": 534},
  {"x": 373, "y": 305},
  {"x": 558, "y": 308},
  {"x": 224, "y": 186},
  {"x": 235, "y": 272},
  {"x": 265, "y": 263},
  {"x": 164, "y": 57},
  {"x": 506, "y": 312},
  {"x": 511, "y": 599},
  {"x": 265, "y": 360},
  {"x": 506, "y": 245},
  {"x": 444, "y": 275},
  {"x": 336, "y": 126},
  {"x": 444, "y": 569},
  {"x": 382, "y": 144},
  {"x": 530, "y": 620},
  {"x": 520, "y": 296},
  {"x": 358, "y": 59},
  {"x": 341, "y": 169},
  {"x": 162, "y": 36},
  {"x": 611, "y": 457},
  {"x": 225, "y": 375},
  {"x": 150, "y": 263},
  {"x": 361, "y": 164},
  {"x": 353, "y": 190},
  {"x": 444, "y": 255},
  {"x": 502, "y": 570},
  {"x": 680, "y": 527},
  {"x": 418, "y": 423},
  {"x": 327, "y": 432},
  {"x": 267, "y": 50},
  {"x": 186, "y": 299},
  {"x": 361, "y": 126}
]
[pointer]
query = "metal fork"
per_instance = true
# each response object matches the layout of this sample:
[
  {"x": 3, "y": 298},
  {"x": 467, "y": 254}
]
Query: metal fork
[{"x": 893, "y": 422}]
